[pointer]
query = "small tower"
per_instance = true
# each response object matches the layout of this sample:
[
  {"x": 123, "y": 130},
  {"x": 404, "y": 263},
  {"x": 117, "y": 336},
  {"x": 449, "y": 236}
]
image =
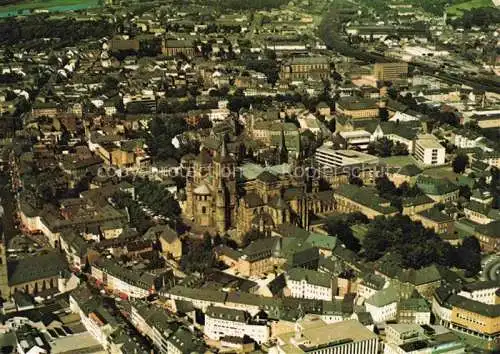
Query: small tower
[
  {"x": 282, "y": 151},
  {"x": 278, "y": 247},
  {"x": 445, "y": 14},
  {"x": 305, "y": 209},
  {"x": 188, "y": 204},
  {"x": 4, "y": 277},
  {"x": 220, "y": 208}
]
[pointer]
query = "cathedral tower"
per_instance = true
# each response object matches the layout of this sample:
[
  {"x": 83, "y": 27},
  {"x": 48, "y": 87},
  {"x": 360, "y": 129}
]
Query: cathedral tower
[
  {"x": 224, "y": 182},
  {"x": 282, "y": 151},
  {"x": 221, "y": 209}
]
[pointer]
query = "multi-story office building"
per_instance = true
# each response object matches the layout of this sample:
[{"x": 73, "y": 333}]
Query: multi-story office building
[
  {"x": 390, "y": 71},
  {"x": 416, "y": 339},
  {"x": 429, "y": 151},
  {"x": 357, "y": 139},
  {"x": 316, "y": 337},
  {"x": 224, "y": 322},
  {"x": 328, "y": 157},
  {"x": 461, "y": 312}
]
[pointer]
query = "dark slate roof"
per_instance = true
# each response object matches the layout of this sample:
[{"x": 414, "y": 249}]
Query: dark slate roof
[
  {"x": 277, "y": 285},
  {"x": 291, "y": 230},
  {"x": 35, "y": 268},
  {"x": 260, "y": 248},
  {"x": 186, "y": 342},
  {"x": 492, "y": 229},
  {"x": 253, "y": 200},
  {"x": 352, "y": 103},
  {"x": 435, "y": 215},
  {"x": 223, "y": 250},
  {"x": 204, "y": 157},
  {"x": 278, "y": 203},
  {"x": 480, "y": 285},
  {"x": 422, "y": 276},
  {"x": 365, "y": 318},
  {"x": 267, "y": 177},
  {"x": 435, "y": 186},
  {"x": 410, "y": 170},
  {"x": 168, "y": 234},
  {"x": 474, "y": 306}
]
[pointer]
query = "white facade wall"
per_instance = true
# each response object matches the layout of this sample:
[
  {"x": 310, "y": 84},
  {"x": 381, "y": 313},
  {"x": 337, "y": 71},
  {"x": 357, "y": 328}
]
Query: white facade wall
[
  {"x": 119, "y": 285},
  {"x": 304, "y": 290},
  {"x": 429, "y": 156},
  {"x": 365, "y": 291},
  {"x": 142, "y": 326},
  {"x": 486, "y": 296},
  {"x": 369, "y": 346},
  {"x": 383, "y": 313},
  {"x": 215, "y": 328},
  {"x": 442, "y": 313}
]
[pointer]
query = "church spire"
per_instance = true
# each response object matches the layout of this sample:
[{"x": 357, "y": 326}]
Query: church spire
[
  {"x": 223, "y": 149},
  {"x": 282, "y": 151}
]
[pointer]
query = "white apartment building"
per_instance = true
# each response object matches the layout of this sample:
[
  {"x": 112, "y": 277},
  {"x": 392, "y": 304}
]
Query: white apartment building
[
  {"x": 183, "y": 341},
  {"x": 218, "y": 114},
  {"x": 93, "y": 322},
  {"x": 314, "y": 336},
  {"x": 327, "y": 157},
  {"x": 429, "y": 151},
  {"x": 382, "y": 313},
  {"x": 222, "y": 322},
  {"x": 466, "y": 141},
  {"x": 309, "y": 284},
  {"x": 200, "y": 298},
  {"x": 442, "y": 312},
  {"x": 412, "y": 338},
  {"x": 365, "y": 291},
  {"x": 482, "y": 291},
  {"x": 383, "y": 306},
  {"x": 153, "y": 322},
  {"x": 135, "y": 284},
  {"x": 119, "y": 285},
  {"x": 398, "y": 333},
  {"x": 356, "y": 139}
]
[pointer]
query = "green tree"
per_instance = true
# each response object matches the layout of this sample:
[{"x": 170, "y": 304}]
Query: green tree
[
  {"x": 204, "y": 123},
  {"x": 460, "y": 162},
  {"x": 250, "y": 236},
  {"x": 383, "y": 114},
  {"x": 468, "y": 256},
  {"x": 399, "y": 149},
  {"x": 465, "y": 192},
  {"x": 340, "y": 228}
]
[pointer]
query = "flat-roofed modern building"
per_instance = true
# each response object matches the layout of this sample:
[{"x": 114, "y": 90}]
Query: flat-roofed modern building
[
  {"x": 357, "y": 139},
  {"x": 328, "y": 157},
  {"x": 390, "y": 71},
  {"x": 429, "y": 151},
  {"x": 314, "y": 336}
]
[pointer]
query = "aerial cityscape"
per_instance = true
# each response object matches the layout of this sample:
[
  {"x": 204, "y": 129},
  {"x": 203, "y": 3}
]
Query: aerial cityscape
[{"x": 259, "y": 176}]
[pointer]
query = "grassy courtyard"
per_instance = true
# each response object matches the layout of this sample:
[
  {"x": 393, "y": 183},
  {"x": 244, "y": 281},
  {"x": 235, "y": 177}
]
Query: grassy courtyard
[
  {"x": 458, "y": 9},
  {"x": 56, "y": 5}
]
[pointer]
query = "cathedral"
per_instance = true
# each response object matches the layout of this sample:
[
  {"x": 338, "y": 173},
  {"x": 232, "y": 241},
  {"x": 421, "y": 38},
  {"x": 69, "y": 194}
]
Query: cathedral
[
  {"x": 220, "y": 197},
  {"x": 211, "y": 194}
]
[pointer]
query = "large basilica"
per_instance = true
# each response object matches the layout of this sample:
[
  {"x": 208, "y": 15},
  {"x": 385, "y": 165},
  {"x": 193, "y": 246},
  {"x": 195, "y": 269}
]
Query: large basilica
[{"x": 219, "y": 196}]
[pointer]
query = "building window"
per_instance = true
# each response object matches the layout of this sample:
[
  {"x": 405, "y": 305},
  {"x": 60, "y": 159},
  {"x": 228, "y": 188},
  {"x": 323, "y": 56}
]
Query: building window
[{"x": 203, "y": 210}]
